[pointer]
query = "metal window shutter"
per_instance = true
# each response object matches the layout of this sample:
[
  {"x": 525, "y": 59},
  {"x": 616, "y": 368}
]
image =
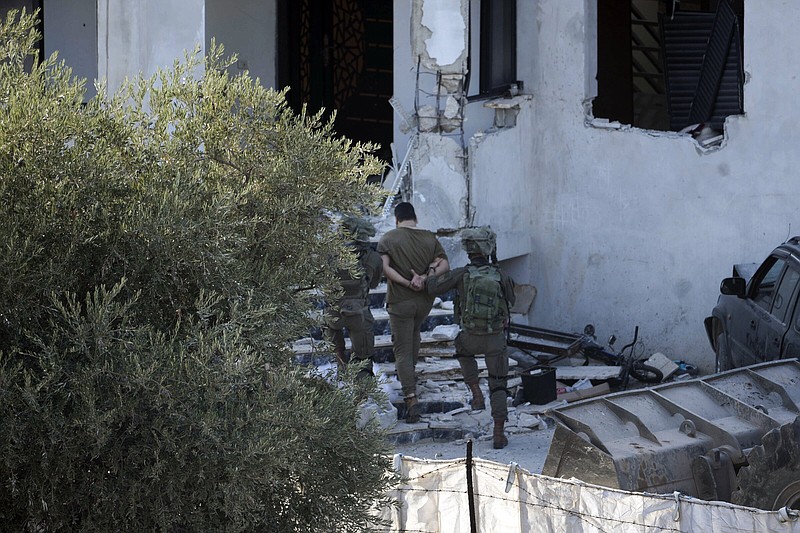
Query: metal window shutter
[{"x": 702, "y": 68}]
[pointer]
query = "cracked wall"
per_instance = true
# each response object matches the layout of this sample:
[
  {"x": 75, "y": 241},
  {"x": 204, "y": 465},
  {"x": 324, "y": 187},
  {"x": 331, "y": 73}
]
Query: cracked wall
[
  {"x": 439, "y": 34},
  {"x": 624, "y": 226}
]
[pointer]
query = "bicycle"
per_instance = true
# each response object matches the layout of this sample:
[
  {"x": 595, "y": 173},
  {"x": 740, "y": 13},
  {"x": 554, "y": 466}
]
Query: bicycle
[{"x": 630, "y": 364}]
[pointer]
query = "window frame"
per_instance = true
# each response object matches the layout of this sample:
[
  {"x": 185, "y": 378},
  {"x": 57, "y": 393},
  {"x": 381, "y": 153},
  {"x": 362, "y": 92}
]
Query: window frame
[
  {"x": 492, "y": 36},
  {"x": 765, "y": 301},
  {"x": 790, "y": 280}
]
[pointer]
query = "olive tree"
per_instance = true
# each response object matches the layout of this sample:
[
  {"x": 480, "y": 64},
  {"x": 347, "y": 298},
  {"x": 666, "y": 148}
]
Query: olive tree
[{"x": 160, "y": 248}]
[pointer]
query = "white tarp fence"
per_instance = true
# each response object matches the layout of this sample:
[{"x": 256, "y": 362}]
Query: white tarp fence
[{"x": 509, "y": 499}]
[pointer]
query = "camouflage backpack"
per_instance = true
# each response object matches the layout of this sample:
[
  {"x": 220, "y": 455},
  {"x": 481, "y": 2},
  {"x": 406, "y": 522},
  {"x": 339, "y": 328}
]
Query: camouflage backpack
[{"x": 483, "y": 306}]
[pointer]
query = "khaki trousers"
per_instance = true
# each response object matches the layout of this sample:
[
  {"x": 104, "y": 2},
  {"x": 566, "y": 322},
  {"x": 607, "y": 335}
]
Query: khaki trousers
[
  {"x": 359, "y": 327},
  {"x": 406, "y": 318},
  {"x": 493, "y": 348}
]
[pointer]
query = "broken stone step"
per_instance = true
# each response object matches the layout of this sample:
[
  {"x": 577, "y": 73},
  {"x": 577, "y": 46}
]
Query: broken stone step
[
  {"x": 437, "y": 317},
  {"x": 403, "y": 433},
  {"x": 446, "y": 369},
  {"x": 382, "y": 314},
  {"x": 428, "y": 407},
  {"x": 309, "y": 345}
]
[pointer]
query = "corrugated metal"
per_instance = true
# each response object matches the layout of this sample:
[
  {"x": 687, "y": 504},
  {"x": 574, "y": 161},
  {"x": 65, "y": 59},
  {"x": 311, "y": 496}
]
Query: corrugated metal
[{"x": 685, "y": 39}]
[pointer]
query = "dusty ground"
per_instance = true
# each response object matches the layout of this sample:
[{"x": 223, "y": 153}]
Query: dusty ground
[
  {"x": 527, "y": 449},
  {"x": 444, "y": 435},
  {"x": 528, "y": 429}
]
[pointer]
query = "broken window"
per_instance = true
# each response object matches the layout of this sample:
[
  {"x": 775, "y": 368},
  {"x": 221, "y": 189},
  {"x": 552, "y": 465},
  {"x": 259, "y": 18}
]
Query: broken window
[
  {"x": 669, "y": 64},
  {"x": 498, "y": 46}
]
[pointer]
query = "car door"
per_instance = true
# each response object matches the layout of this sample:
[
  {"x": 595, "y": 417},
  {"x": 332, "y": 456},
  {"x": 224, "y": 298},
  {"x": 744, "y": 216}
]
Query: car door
[
  {"x": 791, "y": 341},
  {"x": 773, "y": 327},
  {"x": 747, "y": 313}
]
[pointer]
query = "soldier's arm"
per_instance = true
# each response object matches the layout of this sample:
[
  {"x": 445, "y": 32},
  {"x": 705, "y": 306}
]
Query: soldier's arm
[
  {"x": 442, "y": 283},
  {"x": 374, "y": 268},
  {"x": 439, "y": 266},
  {"x": 440, "y": 263}
]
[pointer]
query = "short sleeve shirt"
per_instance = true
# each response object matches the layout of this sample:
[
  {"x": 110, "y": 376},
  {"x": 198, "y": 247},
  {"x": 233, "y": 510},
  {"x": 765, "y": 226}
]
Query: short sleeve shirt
[{"x": 409, "y": 248}]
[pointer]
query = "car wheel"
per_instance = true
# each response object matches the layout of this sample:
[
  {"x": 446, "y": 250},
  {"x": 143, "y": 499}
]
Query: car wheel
[
  {"x": 723, "y": 353},
  {"x": 772, "y": 478}
]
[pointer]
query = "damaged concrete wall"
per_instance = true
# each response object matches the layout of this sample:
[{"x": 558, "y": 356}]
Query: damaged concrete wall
[
  {"x": 631, "y": 227},
  {"x": 429, "y": 79},
  {"x": 439, "y": 34},
  {"x": 636, "y": 227},
  {"x": 439, "y": 183}
]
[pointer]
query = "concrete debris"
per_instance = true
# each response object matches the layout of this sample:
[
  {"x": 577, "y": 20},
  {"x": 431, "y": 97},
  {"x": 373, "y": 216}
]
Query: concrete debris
[
  {"x": 451, "y": 83},
  {"x": 450, "y": 124},
  {"x": 452, "y": 108},
  {"x": 428, "y": 118},
  {"x": 445, "y": 332},
  {"x": 459, "y": 422},
  {"x": 526, "y": 420},
  {"x": 663, "y": 363},
  {"x": 449, "y": 305},
  {"x": 382, "y": 412}
]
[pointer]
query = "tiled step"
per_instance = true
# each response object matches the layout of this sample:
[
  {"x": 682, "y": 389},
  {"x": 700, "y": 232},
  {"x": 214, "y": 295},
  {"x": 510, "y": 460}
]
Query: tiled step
[
  {"x": 311, "y": 350},
  {"x": 441, "y": 314},
  {"x": 377, "y": 296},
  {"x": 444, "y": 316},
  {"x": 311, "y": 346}
]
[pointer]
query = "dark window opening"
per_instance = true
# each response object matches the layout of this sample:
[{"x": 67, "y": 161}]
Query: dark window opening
[
  {"x": 671, "y": 66},
  {"x": 498, "y": 46},
  {"x": 337, "y": 55}
]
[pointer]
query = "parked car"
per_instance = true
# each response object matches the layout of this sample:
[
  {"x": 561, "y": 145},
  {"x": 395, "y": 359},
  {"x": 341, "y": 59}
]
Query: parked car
[{"x": 757, "y": 316}]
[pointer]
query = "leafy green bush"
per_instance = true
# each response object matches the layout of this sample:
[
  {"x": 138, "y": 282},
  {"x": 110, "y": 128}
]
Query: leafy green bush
[{"x": 158, "y": 252}]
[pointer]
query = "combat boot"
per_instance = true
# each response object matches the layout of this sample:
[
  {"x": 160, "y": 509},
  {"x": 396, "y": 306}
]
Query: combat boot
[
  {"x": 413, "y": 409},
  {"x": 499, "y": 438},
  {"x": 477, "y": 402}
]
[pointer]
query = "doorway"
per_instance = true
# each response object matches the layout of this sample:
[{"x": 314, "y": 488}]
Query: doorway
[{"x": 338, "y": 55}]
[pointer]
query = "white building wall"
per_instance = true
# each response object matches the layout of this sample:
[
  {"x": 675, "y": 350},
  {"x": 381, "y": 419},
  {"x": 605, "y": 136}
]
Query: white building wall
[
  {"x": 140, "y": 37},
  {"x": 72, "y": 33},
  {"x": 246, "y": 28},
  {"x": 630, "y": 227}
]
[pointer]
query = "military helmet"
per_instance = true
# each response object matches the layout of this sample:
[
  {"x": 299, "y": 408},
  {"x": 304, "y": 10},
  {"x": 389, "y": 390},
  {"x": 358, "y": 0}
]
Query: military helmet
[
  {"x": 359, "y": 229},
  {"x": 480, "y": 240}
]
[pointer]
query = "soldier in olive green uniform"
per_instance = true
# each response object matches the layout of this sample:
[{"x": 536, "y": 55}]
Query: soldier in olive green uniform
[
  {"x": 485, "y": 295},
  {"x": 352, "y": 310}
]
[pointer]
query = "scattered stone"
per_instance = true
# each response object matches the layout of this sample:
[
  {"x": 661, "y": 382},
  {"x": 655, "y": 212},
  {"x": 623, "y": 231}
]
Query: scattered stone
[
  {"x": 458, "y": 411},
  {"x": 385, "y": 414},
  {"x": 443, "y": 424},
  {"x": 445, "y": 332},
  {"x": 663, "y": 363},
  {"x": 530, "y": 421}
]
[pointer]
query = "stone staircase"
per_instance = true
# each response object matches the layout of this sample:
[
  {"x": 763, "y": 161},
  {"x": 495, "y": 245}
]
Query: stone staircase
[
  {"x": 443, "y": 396},
  {"x": 434, "y": 342}
]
